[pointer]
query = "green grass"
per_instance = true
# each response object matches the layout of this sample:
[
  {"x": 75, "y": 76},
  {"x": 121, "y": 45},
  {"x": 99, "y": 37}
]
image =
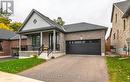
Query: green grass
[
  {"x": 118, "y": 69},
  {"x": 18, "y": 65}
]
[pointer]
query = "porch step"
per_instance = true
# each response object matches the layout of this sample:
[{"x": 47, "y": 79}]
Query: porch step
[
  {"x": 44, "y": 55},
  {"x": 51, "y": 55}
]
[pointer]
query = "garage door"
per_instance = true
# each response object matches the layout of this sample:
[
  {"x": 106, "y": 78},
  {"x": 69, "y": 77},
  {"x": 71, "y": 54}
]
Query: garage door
[{"x": 87, "y": 47}]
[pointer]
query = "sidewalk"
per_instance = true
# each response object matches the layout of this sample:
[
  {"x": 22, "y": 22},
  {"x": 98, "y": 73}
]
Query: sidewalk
[
  {"x": 5, "y": 56},
  {"x": 7, "y": 77}
]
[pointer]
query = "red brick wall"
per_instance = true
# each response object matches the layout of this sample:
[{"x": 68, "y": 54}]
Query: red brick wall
[
  {"x": 15, "y": 43},
  {"x": 7, "y": 45},
  {"x": 6, "y": 48}
]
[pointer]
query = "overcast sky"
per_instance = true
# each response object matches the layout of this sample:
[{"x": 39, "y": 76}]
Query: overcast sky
[{"x": 72, "y": 11}]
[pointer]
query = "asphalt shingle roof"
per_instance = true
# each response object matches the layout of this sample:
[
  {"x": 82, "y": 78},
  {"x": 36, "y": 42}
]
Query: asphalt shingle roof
[
  {"x": 83, "y": 27},
  {"x": 123, "y": 6},
  {"x": 66, "y": 28},
  {"x": 5, "y": 34},
  {"x": 9, "y": 35}
]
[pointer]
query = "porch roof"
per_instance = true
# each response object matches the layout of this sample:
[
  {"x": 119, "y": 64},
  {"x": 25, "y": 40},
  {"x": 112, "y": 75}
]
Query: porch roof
[{"x": 40, "y": 29}]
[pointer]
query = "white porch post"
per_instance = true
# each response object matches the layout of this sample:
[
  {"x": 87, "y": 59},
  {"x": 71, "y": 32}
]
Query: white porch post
[
  {"x": 19, "y": 42},
  {"x": 54, "y": 40},
  {"x": 41, "y": 38}
]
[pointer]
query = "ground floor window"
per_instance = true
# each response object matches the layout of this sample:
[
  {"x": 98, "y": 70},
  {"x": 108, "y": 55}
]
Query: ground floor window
[
  {"x": 36, "y": 40},
  {"x": 1, "y": 49}
]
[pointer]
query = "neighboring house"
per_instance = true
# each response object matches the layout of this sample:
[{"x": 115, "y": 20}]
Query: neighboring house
[
  {"x": 48, "y": 39},
  {"x": 120, "y": 35},
  {"x": 9, "y": 43}
]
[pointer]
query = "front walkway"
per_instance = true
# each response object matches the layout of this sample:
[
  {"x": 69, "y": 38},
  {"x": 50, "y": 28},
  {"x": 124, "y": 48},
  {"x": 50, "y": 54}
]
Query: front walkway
[{"x": 70, "y": 68}]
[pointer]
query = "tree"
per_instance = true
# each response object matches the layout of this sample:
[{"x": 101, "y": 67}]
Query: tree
[
  {"x": 15, "y": 26},
  {"x": 59, "y": 21},
  {"x": 5, "y": 27},
  {"x": 4, "y": 20}
]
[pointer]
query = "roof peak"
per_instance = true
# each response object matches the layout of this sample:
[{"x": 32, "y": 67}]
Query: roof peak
[{"x": 45, "y": 18}]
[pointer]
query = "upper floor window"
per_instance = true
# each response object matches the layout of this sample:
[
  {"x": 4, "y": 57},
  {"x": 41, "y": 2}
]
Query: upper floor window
[
  {"x": 114, "y": 36},
  {"x": 116, "y": 18},
  {"x": 117, "y": 34},
  {"x": 1, "y": 49},
  {"x": 124, "y": 22}
]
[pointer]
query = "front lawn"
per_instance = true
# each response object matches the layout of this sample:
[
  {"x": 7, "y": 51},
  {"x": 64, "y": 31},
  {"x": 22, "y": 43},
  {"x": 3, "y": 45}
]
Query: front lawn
[
  {"x": 18, "y": 65},
  {"x": 118, "y": 69}
]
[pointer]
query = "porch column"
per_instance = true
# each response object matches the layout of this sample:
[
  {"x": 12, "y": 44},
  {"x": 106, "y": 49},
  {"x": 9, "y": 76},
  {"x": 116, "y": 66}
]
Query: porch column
[
  {"x": 41, "y": 38},
  {"x": 54, "y": 40},
  {"x": 19, "y": 42}
]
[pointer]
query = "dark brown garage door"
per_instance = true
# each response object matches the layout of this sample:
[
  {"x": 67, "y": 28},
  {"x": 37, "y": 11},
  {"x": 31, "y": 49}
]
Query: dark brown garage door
[{"x": 87, "y": 47}]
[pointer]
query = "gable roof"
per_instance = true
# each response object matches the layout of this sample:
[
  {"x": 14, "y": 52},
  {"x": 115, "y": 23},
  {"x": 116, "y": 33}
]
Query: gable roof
[
  {"x": 9, "y": 35},
  {"x": 77, "y": 27},
  {"x": 48, "y": 20},
  {"x": 124, "y": 7}
]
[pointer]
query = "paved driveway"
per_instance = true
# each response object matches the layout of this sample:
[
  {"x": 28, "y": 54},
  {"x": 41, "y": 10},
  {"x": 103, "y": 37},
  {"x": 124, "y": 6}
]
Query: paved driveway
[{"x": 70, "y": 68}]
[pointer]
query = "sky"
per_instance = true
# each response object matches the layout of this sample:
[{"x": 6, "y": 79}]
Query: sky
[{"x": 72, "y": 11}]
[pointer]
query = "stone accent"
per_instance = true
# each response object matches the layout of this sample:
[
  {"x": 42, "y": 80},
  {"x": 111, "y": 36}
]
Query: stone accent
[
  {"x": 100, "y": 34},
  {"x": 121, "y": 34},
  {"x": 26, "y": 54}
]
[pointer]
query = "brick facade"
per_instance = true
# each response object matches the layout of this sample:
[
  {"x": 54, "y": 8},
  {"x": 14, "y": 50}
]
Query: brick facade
[
  {"x": 98, "y": 34},
  {"x": 7, "y": 46},
  {"x": 120, "y": 31}
]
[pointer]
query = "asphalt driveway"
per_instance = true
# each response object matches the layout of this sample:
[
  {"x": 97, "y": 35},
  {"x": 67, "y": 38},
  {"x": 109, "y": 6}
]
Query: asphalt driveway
[{"x": 70, "y": 68}]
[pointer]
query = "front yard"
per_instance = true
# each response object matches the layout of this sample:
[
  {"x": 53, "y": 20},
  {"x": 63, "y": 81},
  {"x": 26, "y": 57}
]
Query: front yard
[
  {"x": 118, "y": 69},
  {"x": 18, "y": 65}
]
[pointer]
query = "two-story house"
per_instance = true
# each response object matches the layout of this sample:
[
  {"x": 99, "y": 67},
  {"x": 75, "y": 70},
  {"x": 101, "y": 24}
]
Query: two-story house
[{"x": 120, "y": 35}]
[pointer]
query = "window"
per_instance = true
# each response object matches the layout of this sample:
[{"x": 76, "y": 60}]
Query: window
[
  {"x": 116, "y": 18},
  {"x": 114, "y": 36},
  {"x": 36, "y": 40},
  {"x": 34, "y": 21},
  {"x": 1, "y": 49},
  {"x": 124, "y": 24},
  {"x": 117, "y": 34}
]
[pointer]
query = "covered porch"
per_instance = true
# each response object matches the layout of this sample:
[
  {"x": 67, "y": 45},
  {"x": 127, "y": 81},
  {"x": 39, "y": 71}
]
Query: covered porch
[{"x": 43, "y": 43}]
